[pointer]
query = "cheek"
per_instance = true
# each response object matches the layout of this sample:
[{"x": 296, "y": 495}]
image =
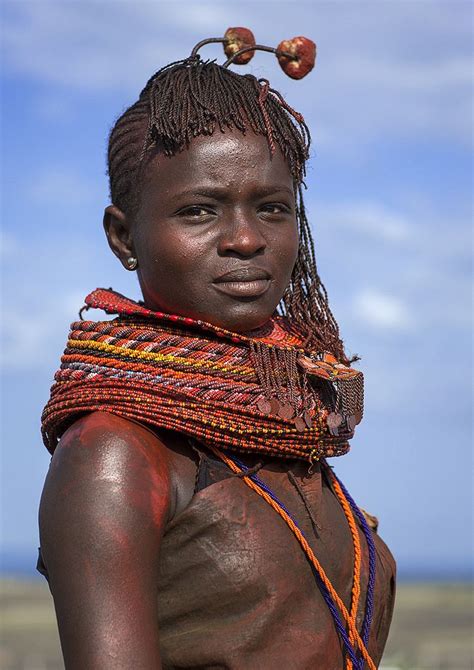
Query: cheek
[
  {"x": 156, "y": 248},
  {"x": 170, "y": 263},
  {"x": 289, "y": 250}
]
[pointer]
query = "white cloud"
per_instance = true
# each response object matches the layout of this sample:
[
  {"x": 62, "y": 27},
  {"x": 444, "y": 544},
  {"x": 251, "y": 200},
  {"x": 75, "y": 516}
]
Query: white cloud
[
  {"x": 88, "y": 46},
  {"x": 371, "y": 219},
  {"x": 375, "y": 93},
  {"x": 396, "y": 270},
  {"x": 380, "y": 310},
  {"x": 208, "y": 17}
]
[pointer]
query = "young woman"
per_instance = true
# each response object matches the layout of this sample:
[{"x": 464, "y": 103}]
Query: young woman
[{"x": 189, "y": 518}]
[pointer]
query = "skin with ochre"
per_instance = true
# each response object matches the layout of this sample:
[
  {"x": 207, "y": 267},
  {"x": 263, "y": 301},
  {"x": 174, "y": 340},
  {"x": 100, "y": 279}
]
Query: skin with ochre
[{"x": 216, "y": 239}]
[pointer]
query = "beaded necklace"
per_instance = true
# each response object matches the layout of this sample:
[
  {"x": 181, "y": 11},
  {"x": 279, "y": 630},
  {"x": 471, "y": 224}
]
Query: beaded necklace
[{"x": 260, "y": 392}]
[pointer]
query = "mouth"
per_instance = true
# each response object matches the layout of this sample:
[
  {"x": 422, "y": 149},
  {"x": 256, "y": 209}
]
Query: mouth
[{"x": 244, "y": 282}]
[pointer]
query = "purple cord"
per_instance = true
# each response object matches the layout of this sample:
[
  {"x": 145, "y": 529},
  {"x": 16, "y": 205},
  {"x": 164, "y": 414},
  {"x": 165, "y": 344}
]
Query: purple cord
[
  {"x": 369, "y": 603},
  {"x": 325, "y": 593}
]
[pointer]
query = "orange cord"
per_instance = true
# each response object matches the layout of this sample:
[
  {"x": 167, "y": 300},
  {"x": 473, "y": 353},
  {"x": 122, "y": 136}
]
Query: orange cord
[
  {"x": 350, "y": 619},
  {"x": 357, "y": 561}
]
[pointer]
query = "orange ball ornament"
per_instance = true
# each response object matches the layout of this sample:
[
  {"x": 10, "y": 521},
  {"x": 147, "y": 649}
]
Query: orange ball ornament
[
  {"x": 303, "y": 51},
  {"x": 237, "y": 39}
]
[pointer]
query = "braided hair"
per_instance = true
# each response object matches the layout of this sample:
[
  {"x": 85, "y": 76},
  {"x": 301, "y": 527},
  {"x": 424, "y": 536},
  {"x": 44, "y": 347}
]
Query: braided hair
[{"x": 193, "y": 97}]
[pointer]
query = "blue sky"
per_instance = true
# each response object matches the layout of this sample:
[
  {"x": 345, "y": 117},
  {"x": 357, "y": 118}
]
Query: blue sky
[{"x": 389, "y": 106}]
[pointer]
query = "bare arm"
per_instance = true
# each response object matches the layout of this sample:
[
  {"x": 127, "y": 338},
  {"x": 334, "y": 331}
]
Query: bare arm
[{"x": 105, "y": 503}]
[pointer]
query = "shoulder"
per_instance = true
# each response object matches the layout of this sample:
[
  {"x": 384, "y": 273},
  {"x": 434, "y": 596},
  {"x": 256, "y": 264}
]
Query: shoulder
[
  {"x": 100, "y": 437},
  {"x": 99, "y": 432},
  {"x": 101, "y": 449},
  {"x": 105, "y": 446},
  {"x": 103, "y": 458}
]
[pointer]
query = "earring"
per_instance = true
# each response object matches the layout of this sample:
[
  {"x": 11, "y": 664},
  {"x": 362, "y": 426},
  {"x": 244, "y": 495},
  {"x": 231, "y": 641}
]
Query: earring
[{"x": 132, "y": 263}]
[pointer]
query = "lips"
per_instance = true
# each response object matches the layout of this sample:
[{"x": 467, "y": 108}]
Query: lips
[{"x": 247, "y": 282}]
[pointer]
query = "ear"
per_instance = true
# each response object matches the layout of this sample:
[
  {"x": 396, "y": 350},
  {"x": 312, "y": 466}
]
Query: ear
[{"x": 117, "y": 230}]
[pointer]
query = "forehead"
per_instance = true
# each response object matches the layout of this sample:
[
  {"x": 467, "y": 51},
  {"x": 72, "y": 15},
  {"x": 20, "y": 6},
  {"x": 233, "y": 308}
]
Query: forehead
[{"x": 232, "y": 160}]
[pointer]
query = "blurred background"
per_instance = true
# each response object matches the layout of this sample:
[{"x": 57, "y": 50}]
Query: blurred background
[{"x": 389, "y": 105}]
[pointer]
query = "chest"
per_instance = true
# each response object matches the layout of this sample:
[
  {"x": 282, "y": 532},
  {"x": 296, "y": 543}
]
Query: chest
[{"x": 234, "y": 580}]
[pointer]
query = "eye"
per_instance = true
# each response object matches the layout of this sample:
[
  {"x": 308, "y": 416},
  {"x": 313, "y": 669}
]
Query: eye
[
  {"x": 275, "y": 209},
  {"x": 195, "y": 212}
]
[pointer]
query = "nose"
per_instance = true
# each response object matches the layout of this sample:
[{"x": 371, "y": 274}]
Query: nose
[{"x": 242, "y": 236}]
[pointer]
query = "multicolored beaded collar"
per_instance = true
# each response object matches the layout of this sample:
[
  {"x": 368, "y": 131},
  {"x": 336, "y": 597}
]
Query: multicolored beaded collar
[{"x": 259, "y": 392}]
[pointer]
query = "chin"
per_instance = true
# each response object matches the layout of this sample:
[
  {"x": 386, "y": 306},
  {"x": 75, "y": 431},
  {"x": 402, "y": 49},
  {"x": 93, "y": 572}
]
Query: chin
[
  {"x": 236, "y": 316},
  {"x": 242, "y": 322}
]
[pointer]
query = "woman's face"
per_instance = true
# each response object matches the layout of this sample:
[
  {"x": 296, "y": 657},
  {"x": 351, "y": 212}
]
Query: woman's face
[{"x": 215, "y": 234}]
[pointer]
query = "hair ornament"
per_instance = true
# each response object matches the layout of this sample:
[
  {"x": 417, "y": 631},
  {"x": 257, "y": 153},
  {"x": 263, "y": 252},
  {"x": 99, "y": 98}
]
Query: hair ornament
[
  {"x": 239, "y": 40},
  {"x": 302, "y": 58},
  {"x": 296, "y": 56},
  {"x": 234, "y": 40}
]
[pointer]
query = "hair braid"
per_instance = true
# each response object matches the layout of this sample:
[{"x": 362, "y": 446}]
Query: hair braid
[{"x": 189, "y": 98}]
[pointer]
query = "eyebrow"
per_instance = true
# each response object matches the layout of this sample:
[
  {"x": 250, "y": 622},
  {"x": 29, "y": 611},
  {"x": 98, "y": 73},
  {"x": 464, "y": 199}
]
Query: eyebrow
[{"x": 220, "y": 191}]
